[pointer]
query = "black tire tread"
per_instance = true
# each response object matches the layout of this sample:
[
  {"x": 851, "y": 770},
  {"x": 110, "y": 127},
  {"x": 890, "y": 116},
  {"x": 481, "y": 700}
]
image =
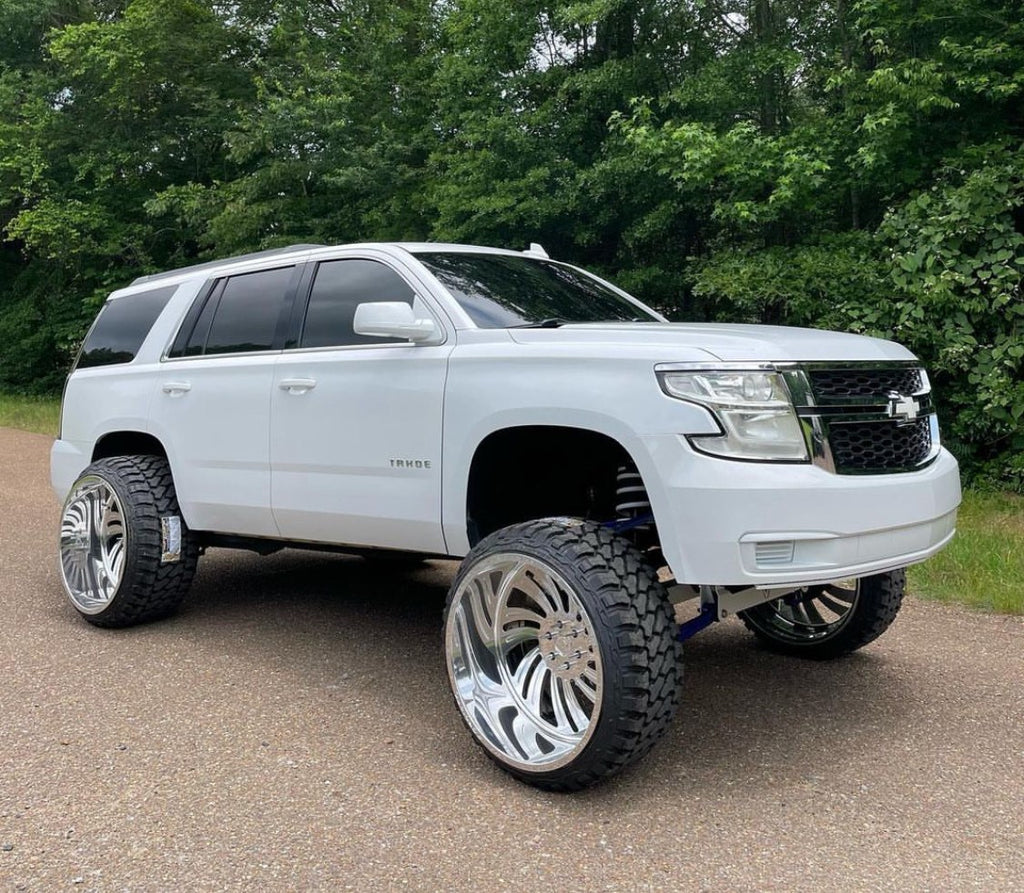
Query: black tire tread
[{"x": 634, "y": 610}]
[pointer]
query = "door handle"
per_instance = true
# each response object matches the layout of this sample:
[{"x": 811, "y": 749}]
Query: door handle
[
  {"x": 297, "y": 385},
  {"x": 177, "y": 388}
]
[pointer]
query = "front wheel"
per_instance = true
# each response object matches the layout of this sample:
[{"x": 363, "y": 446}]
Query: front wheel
[
  {"x": 561, "y": 652},
  {"x": 823, "y": 622}
]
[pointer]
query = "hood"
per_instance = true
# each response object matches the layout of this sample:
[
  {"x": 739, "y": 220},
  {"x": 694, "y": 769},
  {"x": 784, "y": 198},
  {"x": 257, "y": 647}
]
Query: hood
[{"x": 729, "y": 342}]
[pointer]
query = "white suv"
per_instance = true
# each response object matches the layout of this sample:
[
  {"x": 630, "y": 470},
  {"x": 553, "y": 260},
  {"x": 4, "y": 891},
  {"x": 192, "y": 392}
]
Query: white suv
[{"x": 593, "y": 463}]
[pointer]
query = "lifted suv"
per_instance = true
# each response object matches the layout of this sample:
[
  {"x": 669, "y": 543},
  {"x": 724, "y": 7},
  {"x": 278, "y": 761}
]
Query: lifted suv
[{"x": 593, "y": 463}]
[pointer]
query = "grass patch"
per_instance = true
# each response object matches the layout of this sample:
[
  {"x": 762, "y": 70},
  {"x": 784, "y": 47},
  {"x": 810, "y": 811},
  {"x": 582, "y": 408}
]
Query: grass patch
[
  {"x": 38, "y": 414},
  {"x": 984, "y": 565}
]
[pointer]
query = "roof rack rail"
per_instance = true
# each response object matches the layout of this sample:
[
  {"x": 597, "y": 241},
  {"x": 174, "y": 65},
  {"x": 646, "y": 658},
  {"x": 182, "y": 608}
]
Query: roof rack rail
[{"x": 210, "y": 264}]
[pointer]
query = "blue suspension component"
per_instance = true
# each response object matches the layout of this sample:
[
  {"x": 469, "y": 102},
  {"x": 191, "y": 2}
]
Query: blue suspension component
[
  {"x": 628, "y": 523},
  {"x": 708, "y": 615}
]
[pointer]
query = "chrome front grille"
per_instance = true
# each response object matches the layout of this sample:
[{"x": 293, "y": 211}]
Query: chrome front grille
[{"x": 866, "y": 418}]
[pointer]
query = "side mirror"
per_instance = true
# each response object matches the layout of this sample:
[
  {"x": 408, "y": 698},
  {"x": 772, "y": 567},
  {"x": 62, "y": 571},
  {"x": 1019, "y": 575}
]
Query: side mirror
[{"x": 393, "y": 319}]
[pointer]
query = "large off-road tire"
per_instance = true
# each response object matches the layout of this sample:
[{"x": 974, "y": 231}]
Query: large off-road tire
[
  {"x": 112, "y": 559},
  {"x": 561, "y": 651},
  {"x": 824, "y": 622}
]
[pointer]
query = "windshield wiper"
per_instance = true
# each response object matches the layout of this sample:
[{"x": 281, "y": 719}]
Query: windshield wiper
[{"x": 552, "y": 322}]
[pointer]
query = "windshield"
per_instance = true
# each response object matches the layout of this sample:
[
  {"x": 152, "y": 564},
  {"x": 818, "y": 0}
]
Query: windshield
[{"x": 500, "y": 290}]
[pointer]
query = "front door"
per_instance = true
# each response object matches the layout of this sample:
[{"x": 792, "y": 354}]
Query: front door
[{"x": 355, "y": 441}]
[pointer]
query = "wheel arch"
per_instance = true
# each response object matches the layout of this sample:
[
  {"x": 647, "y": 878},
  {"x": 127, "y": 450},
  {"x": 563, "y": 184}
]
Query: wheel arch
[
  {"x": 534, "y": 469},
  {"x": 133, "y": 442},
  {"x": 127, "y": 443}
]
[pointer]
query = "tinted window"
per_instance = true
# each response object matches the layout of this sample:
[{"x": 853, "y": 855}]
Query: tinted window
[
  {"x": 122, "y": 326},
  {"x": 246, "y": 315},
  {"x": 341, "y": 286},
  {"x": 201, "y": 330},
  {"x": 500, "y": 290}
]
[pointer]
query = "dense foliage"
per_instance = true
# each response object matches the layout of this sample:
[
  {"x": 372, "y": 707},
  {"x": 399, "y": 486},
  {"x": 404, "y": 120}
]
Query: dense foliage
[{"x": 856, "y": 164}]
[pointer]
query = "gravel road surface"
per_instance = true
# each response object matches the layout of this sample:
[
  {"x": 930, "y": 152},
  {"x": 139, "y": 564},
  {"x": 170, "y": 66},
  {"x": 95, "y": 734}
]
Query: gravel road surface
[{"x": 291, "y": 729}]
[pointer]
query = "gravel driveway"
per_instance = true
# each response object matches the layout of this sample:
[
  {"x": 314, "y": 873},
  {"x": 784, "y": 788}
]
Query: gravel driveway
[{"x": 292, "y": 729}]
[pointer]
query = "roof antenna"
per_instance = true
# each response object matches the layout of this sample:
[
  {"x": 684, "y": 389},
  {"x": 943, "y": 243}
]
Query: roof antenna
[{"x": 536, "y": 248}]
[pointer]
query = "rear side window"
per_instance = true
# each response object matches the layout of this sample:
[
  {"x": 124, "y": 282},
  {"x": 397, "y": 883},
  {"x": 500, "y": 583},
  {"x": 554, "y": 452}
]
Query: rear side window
[
  {"x": 121, "y": 327},
  {"x": 339, "y": 287},
  {"x": 248, "y": 311},
  {"x": 240, "y": 314}
]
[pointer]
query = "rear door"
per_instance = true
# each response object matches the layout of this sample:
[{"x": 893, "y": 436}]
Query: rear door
[
  {"x": 355, "y": 440},
  {"x": 212, "y": 403}
]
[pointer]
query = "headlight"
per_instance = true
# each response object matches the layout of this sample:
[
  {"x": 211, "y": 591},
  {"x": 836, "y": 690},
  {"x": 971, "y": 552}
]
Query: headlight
[{"x": 753, "y": 408}]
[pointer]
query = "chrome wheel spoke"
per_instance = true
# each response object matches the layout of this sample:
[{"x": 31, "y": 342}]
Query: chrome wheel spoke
[
  {"x": 93, "y": 543},
  {"x": 481, "y": 601},
  {"x": 813, "y": 615},
  {"x": 549, "y": 587},
  {"x": 469, "y": 652},
  {"x": 841, "y": 593},
  {"x": 799, "y": 613},
  {"x": 520, "y": 679},
  {"x": 518, "y": 635},
  {"x": 522, "y": 615},
  {"x": 577, "y": 714},
  {"x": 558, "y": 706},
  {"x": 524, "y": 662},
  {"x": 536, "y": 594},
  {"x": 809, "y": 615},
  {"x": 535, "y": 687},
  {"x": 834, "y": 607},
  {"x": 589, "y": 678}
]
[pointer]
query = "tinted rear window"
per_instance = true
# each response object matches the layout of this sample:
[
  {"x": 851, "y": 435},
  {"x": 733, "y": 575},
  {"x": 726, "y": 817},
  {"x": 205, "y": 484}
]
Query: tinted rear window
[
  {"x": 246, "y": 316},
  {"x": 122, "y": 326}
]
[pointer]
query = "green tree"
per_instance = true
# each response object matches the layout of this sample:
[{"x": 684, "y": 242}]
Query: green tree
[{"x": 114, "y": 104}]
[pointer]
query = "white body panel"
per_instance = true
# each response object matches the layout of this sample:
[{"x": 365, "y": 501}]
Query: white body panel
[
  {"x": 711, "y": 513},
  {"x": 840, "y": 525},
  {"x": 125, "y": 407},
  {"x": 316, "y": 463},
  {"x": 217, "y": 438},
  {"x": 356, "y": 459}
]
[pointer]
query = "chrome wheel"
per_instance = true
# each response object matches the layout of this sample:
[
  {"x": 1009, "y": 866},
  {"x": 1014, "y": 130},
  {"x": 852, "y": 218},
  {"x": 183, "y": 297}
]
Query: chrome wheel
[
  {"x": 93, "y": 544},
  {"x": 812, "y": 614},
  {"x": 524, "y": 662}
]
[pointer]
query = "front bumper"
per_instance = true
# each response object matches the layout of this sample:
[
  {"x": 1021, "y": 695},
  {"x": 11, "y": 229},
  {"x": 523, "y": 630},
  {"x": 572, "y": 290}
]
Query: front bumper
[{"x": 767, "y": 525}]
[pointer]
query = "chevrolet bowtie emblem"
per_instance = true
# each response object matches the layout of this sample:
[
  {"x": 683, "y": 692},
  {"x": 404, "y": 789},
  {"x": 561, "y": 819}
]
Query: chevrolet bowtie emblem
[{"x": 903, "y": 409}]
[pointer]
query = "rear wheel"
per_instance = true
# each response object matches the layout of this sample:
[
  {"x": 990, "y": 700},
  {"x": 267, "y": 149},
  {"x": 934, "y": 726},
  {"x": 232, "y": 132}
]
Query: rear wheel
[
  {"x": 126, "y": 556},
  {"x": 824, "y": 622},
  {"x": 561, "y": 651}
]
